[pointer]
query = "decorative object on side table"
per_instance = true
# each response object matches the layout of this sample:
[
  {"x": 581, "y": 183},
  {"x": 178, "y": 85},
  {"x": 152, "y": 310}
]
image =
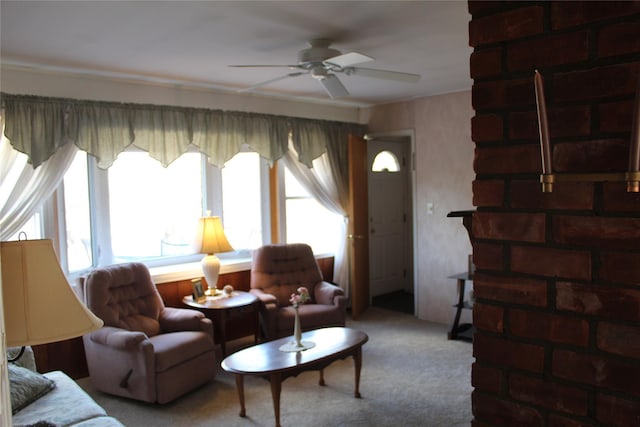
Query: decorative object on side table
[
  {"x": 198, "y": 292},
  {"x": 228, "y": 291},
  {"x": 210, "y": 240},
  {"x": 297, "y": 299}
]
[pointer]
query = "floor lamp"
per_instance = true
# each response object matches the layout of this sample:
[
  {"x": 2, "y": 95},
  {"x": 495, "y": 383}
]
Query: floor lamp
[{"x": 39, "y": 305}]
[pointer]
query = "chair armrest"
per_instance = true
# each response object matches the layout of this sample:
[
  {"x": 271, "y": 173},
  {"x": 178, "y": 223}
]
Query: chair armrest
[
  {"x": 326, "y": 293},
  {"x": 180, "y": 319},
  {"x": 117, "y": 338},
  {"x": 265, "y": 298}
]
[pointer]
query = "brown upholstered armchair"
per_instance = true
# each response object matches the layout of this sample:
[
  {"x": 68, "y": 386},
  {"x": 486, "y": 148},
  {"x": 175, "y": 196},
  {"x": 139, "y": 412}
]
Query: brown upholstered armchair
[
  {"x": 145, "y": 351},
  {"x": 276, "y": 272}
]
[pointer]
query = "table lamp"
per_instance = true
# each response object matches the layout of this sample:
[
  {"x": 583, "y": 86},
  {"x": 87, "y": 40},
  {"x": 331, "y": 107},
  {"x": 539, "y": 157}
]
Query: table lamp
[
  {"x": 210, "y": 240},
  {"x": 39, "y": 305}
]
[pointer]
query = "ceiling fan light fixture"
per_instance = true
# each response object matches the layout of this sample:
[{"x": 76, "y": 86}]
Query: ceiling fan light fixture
[{"x": 318, "y": 72}]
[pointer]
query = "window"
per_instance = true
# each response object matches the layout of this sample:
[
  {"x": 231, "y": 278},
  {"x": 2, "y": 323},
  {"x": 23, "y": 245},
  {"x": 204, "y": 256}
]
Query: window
[
  {"x": 385, "y": 161},
  {"x": 241, "y": 200},
  {"x": 307, "y": 221},
  {"x": 139, "y": 210},
  {"x": 77, "y": 214},
  {"x": 153, "y": 210}
]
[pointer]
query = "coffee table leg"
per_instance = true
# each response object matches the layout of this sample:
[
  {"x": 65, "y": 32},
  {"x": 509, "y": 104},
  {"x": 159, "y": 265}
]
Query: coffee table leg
[
  {"x": 321, "y": 382},
  {"x": 357, "y": 361},
  {"x": 276, "y": 386},
  {"x": 240, "y": 388}
]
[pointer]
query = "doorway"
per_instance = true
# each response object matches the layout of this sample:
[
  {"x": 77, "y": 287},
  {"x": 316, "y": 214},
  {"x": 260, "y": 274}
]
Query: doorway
[{"x": 391, "y": 222}]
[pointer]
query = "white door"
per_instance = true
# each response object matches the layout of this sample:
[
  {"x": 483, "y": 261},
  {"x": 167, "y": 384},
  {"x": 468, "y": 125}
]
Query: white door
[{"x": 390, "y": 222}]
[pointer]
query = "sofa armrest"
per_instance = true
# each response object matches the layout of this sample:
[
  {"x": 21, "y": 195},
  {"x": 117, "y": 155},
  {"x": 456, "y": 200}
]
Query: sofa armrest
[
  {"x": 326, "y": 293},
  {"x": 117, "y": 338},
  {"x": 180, "y": 319},
  {"x": 265, "y": 298}
]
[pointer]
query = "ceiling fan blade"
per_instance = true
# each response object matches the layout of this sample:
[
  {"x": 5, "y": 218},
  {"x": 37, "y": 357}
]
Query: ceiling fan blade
[
  {"x": 264, "y": 66},
  {"x": 334, "y": 86},
  {"x": 383, "y": 74},
  {"x": 348, "y": 59},
  {"x": 266, "y": 82}
]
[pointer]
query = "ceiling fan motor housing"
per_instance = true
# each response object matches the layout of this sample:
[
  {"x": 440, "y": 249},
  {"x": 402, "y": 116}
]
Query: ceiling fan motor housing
[{"x": 316, "y": 54}]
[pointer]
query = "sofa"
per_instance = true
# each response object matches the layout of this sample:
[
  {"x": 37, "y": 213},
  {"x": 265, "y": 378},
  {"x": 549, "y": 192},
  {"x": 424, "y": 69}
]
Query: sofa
[{"x": 50, "y": 399}]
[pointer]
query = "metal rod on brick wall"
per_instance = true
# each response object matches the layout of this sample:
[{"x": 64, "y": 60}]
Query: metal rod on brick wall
[
  {"x": 543, "y": 127},
  {"x": 633, "y": 177}
]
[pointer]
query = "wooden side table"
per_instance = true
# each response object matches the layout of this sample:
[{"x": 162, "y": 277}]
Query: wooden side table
[
  {"x": 221, "y": 308},
  {"x": 461, "y": 331}
]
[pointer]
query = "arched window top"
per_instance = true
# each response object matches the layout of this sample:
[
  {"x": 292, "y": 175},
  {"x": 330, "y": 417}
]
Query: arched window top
[{"x": 385, "y": 161}]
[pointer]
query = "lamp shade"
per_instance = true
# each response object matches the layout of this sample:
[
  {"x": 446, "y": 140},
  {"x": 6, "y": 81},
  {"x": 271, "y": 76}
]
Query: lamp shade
[
  {"x": 210, "y": 238},
  {"x": 39, "y": 305}
]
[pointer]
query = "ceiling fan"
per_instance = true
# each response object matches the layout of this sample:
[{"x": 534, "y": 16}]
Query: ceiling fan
[{"x": 323, "y": 63}]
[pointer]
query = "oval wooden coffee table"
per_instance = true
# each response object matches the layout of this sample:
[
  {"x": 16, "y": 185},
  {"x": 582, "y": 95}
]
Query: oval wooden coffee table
[{"x": 267, "y": 361}]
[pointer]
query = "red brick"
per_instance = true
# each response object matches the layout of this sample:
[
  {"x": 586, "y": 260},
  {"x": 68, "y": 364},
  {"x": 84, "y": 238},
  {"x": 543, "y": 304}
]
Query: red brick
[
  {"x": 507, "y": 25},
  {"x": 509, "y": 226},
  {"x": 596, "y": 83},
  {"x": 565, "y": 195},
  {"x": 486, "y": 128},
  {"x": 597, "y": 371},
  {"x": 615, "y": 116},
  {"x": 619, "y": 39},
  {"x": 549, "y": 327},
  {"x": 621, "y": 267},
  {"x": 563, "y": 122},
  {"x": 482, "y": 7},
  {"x": 499, "y": 412},
  {"x": 605, "y": 155},
  {"x": 513, "y": 290},
  {"x": 488, "y": 192},
  {"x": 617, "y": 199},
  {"x": 486, "y": 63},
  {"x": 616, "y": 411},
  {"x": 488, "y": 256},
  {"x": 488, "y": 317},
  {"x": 551, "y": 262},
  {"x": 619, "y": 339},
  {"x": 599, "y": 301},
  {"x": 597, "y": 232},
  {"x": 511, "y": 354},
  {"x": 486, "y": 378},
  {"x": 556, "y": 420},
  {"x": 502, "y": 94},
  {"x": 550, "y": 50},
  {"x": 567, "y": 14},
  {"x": 508, "y": 160},
  {"x": 548, "y": 394}
]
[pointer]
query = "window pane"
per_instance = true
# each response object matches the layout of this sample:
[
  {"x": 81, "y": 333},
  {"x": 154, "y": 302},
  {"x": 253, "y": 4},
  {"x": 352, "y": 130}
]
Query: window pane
[
  {"x": 307, "y": 221},
  {"x": 241, "y": 201},
  {"x": 32, "y": 229},
  {"x": 77, "y": 214},
  {"x": 385, "y": 161},
  {"x": 154, "y": 210}
]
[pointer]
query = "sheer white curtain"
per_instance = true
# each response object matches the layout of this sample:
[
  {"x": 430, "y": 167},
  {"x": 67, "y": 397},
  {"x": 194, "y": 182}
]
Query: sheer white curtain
[
  {"x": 326, "y": 182},
  {"x": 22, "y": 188}
]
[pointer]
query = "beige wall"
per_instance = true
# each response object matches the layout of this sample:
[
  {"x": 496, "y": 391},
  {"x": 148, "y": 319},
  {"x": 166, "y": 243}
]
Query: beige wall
[{"x": 444, "y": 173}]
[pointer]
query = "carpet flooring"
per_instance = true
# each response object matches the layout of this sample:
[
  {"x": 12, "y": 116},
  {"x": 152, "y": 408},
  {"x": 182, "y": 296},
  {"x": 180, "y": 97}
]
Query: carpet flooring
[{"x": 411, "y": 376}]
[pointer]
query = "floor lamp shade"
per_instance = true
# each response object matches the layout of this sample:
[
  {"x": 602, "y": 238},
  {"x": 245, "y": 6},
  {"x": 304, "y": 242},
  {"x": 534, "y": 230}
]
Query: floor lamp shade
[
  {"x": 39, "y": 305},
  {"x": 210, "y": 240}
]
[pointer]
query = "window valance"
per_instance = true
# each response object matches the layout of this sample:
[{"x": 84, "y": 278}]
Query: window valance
[{"x": 39, "y": 126}]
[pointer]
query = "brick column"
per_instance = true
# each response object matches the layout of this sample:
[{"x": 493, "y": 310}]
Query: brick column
[{"x": 557, "y": 282}]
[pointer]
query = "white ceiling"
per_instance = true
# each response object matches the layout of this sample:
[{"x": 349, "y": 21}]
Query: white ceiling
[{"x": 190, "y": 43}]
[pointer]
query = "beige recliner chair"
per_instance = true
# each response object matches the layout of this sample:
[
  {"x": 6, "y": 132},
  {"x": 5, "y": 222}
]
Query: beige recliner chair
[
  {"x": 145, "y": 351},
  {"x": 277, "y": 271}
]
